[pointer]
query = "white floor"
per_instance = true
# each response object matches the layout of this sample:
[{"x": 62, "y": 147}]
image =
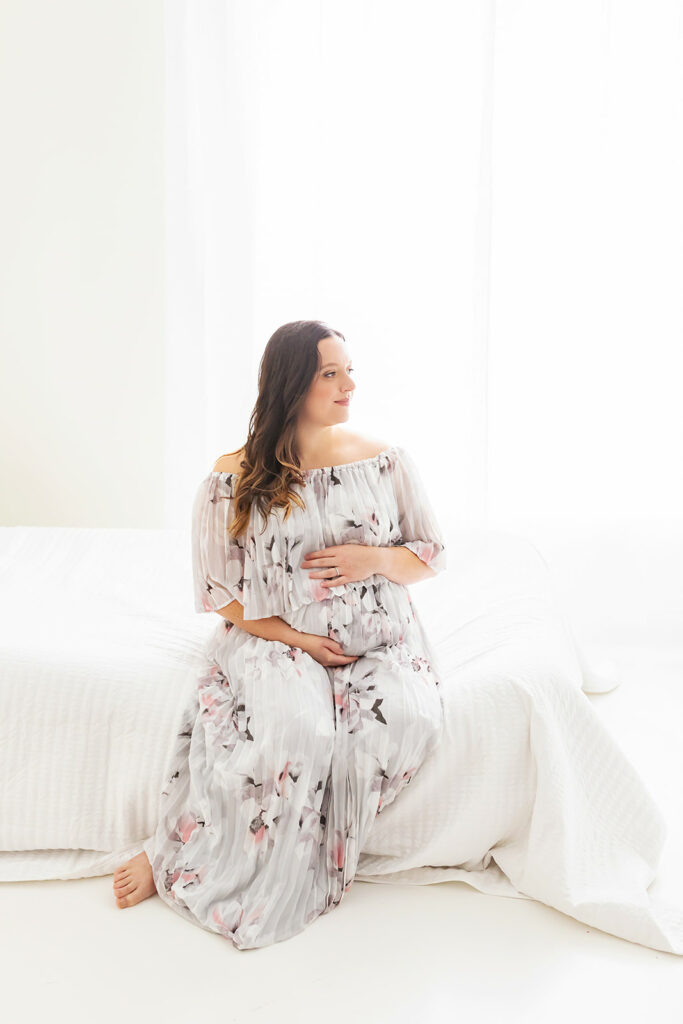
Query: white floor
[{"x": 388, "y": 953}]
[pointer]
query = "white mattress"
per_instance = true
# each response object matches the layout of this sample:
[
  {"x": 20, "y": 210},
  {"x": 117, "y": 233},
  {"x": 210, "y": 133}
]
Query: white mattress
[{"x": 528, "y": 796}]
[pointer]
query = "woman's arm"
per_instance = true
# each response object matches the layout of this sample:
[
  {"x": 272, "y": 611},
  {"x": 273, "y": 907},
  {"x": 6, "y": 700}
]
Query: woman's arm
[
  {"x": 401, "y": 565},
  {"x": 272, "y": 628}
]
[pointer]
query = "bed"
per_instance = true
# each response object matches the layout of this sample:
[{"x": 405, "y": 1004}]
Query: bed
[{"x": 528, "y": 796}]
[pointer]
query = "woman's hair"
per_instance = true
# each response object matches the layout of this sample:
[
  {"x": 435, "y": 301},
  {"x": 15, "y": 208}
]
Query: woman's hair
[{"x": 271, "y": 462}]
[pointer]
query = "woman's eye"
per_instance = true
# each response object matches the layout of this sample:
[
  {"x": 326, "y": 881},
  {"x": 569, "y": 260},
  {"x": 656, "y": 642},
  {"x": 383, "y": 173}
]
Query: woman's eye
[{"x": 330, "y": 372}]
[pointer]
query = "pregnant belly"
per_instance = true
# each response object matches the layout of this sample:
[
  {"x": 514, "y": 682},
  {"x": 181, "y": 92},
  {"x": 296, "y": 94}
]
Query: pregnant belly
[{"x": 362, "y": 617}]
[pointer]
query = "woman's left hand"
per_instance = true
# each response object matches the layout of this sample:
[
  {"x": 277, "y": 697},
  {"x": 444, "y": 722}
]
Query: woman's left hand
[{"x": 353, "y": 562}]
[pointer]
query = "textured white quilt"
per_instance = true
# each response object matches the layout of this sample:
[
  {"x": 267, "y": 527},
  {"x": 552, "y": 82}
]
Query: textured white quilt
[{"x": 528, "y": 796}]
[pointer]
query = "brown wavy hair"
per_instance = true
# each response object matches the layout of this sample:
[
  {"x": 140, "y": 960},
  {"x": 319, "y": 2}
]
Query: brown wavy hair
[{"x": 271, "y": 462}]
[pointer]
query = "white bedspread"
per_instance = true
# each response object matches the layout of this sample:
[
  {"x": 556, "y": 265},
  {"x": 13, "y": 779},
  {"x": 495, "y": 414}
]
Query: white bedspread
[{"x": 528, "y": 796}]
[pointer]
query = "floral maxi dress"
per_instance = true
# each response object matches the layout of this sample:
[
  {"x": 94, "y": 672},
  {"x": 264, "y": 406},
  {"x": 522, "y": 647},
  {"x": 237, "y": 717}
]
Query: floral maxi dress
[{"x": 281, "y": 764}]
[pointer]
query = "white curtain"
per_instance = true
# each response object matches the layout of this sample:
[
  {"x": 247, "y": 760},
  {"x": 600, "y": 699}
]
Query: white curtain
[
  {"x": 329, "y": 160},
  {"x": 585, "y": 364},
  {"x": 483, "y": 197}
]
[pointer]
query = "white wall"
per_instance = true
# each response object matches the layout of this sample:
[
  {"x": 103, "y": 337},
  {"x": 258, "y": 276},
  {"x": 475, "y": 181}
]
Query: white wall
[{"x": 82, "y": 263}]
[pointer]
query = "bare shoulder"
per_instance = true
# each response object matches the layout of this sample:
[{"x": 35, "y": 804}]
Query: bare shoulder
[
  {"x": 229, "y": 463},
  {"x": 364, "y": 446}
]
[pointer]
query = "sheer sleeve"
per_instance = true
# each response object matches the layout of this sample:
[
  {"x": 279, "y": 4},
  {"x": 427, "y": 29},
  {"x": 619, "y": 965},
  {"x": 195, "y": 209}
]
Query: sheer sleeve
[
  {"x": 217, "y": 558},
  {"x": 417, "y": 521}
]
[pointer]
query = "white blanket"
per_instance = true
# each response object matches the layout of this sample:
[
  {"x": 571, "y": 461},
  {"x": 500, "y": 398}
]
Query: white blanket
[{"x": 528, "y": 796}]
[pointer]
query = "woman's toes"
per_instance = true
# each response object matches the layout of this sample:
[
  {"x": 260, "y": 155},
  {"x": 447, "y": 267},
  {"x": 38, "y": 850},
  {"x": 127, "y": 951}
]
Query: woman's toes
[
  {"x": 125, "y": 889},
  {"x": 134, "y": 882}
]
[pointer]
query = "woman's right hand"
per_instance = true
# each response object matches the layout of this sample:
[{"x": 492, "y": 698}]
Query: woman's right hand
[{"x": 325, "y": 650}]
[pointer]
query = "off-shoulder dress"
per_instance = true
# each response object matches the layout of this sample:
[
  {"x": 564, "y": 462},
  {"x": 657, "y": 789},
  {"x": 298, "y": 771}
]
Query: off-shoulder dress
[{"x": 281, "y": 764}]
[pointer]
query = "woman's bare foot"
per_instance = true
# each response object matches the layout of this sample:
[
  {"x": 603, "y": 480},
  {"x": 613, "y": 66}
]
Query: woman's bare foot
[{"x": 133, "y": 881}]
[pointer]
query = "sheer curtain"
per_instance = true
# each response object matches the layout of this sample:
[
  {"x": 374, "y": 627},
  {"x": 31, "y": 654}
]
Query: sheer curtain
[
  {"x": 584, "y": 374},
  {"x": 584, "y": 371},
  {"x": 484, "y": 197},
  {"x": 330, "y": 160}
]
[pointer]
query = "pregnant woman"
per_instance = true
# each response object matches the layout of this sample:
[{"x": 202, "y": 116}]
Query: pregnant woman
[{"x": 320, "y": 699}]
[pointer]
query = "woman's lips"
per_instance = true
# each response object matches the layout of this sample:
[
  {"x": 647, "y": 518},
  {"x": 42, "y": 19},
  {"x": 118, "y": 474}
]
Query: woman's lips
[{"x": 342, "y": 401}]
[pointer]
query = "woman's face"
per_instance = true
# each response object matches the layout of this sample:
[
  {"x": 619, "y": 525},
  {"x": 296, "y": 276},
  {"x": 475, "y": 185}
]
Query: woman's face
[{"x": 332, "y": 383}]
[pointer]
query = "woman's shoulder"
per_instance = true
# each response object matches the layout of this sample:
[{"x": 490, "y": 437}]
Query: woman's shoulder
[
  {"x": 353, "y": 447},
  {"x": 229, "y": 463},
  {"x": 363, "y": 446}
]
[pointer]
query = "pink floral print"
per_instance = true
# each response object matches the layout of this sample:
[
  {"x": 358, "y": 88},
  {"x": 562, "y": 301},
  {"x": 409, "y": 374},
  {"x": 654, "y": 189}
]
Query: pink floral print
[{"x": 280, "y": 765}]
